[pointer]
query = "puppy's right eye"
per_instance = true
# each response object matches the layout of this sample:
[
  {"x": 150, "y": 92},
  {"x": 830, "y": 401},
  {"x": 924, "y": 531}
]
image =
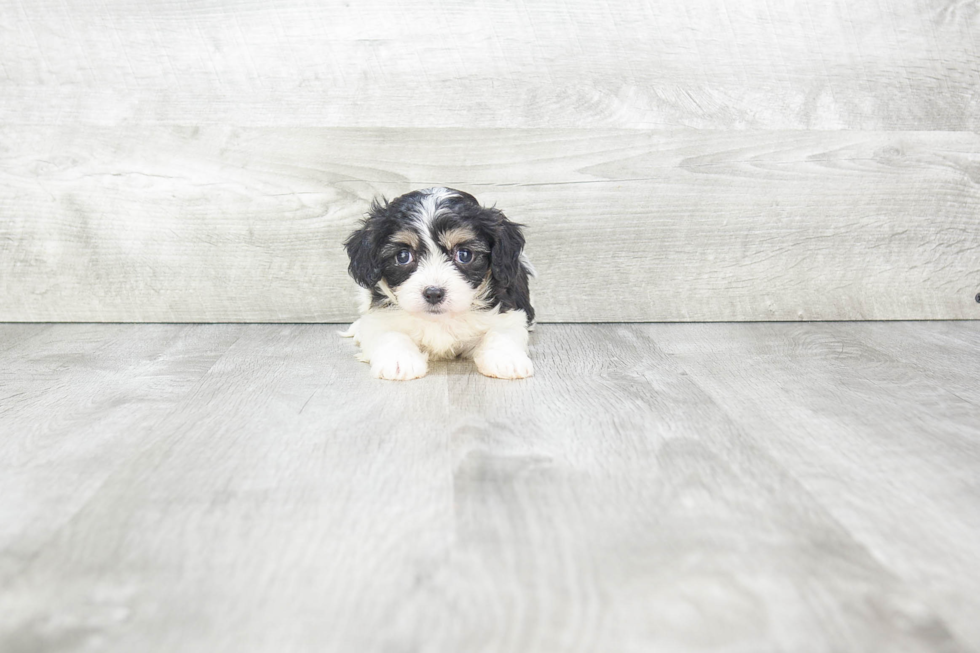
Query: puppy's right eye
[{"x": 403, "y": 257}]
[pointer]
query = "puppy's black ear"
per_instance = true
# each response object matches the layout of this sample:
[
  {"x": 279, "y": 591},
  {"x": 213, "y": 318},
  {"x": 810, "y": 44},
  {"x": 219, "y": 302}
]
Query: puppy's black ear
[
  {"x": 361, "y": 248},
  {"x": 509, "y": 274},
  {"x": 505, "y": 253}
]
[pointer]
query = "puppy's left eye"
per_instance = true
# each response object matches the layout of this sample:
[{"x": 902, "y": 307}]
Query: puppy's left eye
[
  {"x": 403, "y": 257},
  {"x": 464, "y": 255}
]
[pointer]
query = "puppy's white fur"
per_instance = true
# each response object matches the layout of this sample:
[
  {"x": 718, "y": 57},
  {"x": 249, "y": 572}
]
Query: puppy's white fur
[
  {"x": 436, "y": 270},
  {"x": 398, "y": 344}
]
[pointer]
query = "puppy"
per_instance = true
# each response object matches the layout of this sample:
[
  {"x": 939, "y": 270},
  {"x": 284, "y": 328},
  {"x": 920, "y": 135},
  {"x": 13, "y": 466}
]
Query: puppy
[{"x": 442, "y": 277}]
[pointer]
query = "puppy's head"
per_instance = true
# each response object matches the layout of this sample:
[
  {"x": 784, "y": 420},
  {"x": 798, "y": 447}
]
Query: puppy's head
[{"x": 437, "y": 252}]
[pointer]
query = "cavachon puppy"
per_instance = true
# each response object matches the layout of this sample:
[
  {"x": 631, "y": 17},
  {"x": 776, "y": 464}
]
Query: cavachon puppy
[{"x": 442, "y": 277}]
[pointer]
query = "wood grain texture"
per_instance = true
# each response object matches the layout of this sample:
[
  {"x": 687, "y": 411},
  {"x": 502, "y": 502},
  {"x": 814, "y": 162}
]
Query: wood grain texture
[
  {"x": 705, "y": 160},
  {"x": 707, "y": 64},
  {"x": 191, "y": 224},
  {"x": 108, "y": 387},
  {"x": 839, "y": 413},
  {"x": 758, "y": 487}
]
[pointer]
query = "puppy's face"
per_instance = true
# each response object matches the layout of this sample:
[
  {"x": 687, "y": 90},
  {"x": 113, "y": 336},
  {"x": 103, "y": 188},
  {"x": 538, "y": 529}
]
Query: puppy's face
[
  {"x": 435, "y": 253},
  {"x": 436, "y": 269}
]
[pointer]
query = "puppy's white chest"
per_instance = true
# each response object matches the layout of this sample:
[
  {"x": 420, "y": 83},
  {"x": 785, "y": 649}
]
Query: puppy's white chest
[{"x": 448, "y": 338}]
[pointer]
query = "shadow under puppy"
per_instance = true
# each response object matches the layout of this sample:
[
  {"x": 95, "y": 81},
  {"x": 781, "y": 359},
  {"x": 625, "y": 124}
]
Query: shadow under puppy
[{"x": 443, "y": 277}]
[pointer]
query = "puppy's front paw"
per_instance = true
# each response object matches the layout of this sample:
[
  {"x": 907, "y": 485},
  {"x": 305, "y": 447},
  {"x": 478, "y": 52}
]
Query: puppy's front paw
[
  {"x": 400, "y": 365},
  {"x": 505, "y": 364}
]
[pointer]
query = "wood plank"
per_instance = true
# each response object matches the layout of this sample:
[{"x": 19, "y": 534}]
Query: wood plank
[
  {"x": 888, "y": 443},
  {"x": 142, "y": 223},
  {"x": 283, "y": 469},
  {"x": 652, "y": 487},
  {"x": 705, "y": 64},
  {"x": 610, "y": 504},
  {"x": 11, "y": 335},
  {"x": 947, "y": 354},
  {"x": 105, "y": 385}
]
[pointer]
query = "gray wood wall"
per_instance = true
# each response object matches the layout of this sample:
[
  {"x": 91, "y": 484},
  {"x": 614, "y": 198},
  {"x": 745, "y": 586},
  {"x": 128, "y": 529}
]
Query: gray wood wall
[{"x": 699, "y": 160}]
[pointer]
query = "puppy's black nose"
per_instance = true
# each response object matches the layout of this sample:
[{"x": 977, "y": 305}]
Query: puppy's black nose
[{"x": 433, "y": 295}]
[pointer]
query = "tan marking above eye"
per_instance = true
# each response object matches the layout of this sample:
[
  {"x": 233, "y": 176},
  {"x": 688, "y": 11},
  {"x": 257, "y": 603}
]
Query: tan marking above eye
[
  {"x": 454, "y": 237},
  {"x": 406, "y": 237}
]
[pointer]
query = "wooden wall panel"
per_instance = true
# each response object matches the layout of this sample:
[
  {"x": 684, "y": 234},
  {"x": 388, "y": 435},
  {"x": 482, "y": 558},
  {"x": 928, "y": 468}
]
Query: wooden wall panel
[
  {"x": 163, "y": 223},
  {"x": 704, "y": 160},
  {"x": 732, "y": 64}
]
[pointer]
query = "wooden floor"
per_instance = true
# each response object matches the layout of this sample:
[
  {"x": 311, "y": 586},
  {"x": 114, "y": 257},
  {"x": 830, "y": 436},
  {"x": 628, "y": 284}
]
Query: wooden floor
[{"x": 699, "y": 487}]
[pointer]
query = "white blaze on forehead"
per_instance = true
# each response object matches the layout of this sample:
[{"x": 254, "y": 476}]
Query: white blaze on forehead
[
  {"x": 434, "y": 268},
  {"x": 426, "y": 212}
]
